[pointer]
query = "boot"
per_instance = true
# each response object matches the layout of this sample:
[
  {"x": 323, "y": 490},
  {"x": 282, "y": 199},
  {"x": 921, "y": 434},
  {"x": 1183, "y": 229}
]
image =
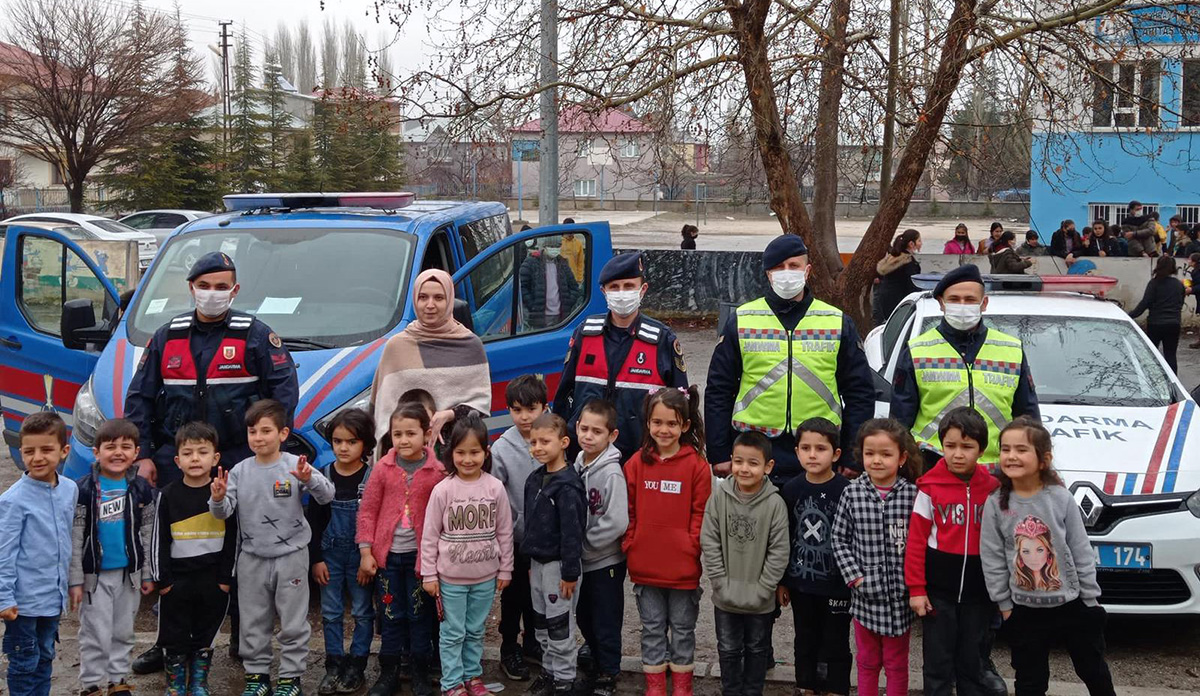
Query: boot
[
  {"x": 176, "y": 665},
  {"x": 681, "y": 682},
  {"x": 333, "y": 670},
  {"x": 149, "y": 662},
  {"x": 422, "y": 678},
  {"x": 992, "y": 681},
  {"x": 604, "y": 685},
  {"x": 198, "y": 672},
  {"x": 656, "y": 683},
  {"x": 352, "y": 677},
  {"x": 389, "y": 676}
]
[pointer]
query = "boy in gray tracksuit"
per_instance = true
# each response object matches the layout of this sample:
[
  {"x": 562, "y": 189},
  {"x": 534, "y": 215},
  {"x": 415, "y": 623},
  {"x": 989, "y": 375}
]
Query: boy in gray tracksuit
[
  {"x": 264, "y": 491},
  {"x": 602, "y": 595}
]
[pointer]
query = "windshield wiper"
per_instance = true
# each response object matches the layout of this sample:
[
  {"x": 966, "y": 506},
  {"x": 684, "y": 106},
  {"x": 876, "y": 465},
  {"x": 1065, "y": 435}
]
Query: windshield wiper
[{"x": 305, "y": 343}]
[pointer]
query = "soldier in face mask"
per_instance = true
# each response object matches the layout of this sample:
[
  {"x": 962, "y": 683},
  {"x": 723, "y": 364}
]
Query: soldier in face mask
[
  {"x": 782, "y": 359},
  {"x": 620, "y": 356}
]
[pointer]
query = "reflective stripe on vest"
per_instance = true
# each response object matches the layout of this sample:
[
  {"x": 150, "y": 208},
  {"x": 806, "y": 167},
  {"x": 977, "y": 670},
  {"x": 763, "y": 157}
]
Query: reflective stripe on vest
[
  {"x": 776, "y": 365},
  {"x": 945, "y": 382}
]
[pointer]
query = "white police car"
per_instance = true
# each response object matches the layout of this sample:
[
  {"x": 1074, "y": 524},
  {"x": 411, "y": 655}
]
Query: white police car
[{"x": 1123, "y": 426}]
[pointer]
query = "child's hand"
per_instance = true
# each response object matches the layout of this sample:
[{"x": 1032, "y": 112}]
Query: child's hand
[
  {"x": 431, "y": 588},
  {"x": 920, "y": 605},
  {"x": 566, "y": 589},
  {"x": 367, "y": 568},
  {"x": 858, "y": 583},
  {"x": 224, "y": 588},
  {"x": 147, "y": 587},
  {"x": 164, "y": 590},
  {"x": 320, "y": 573},
  {"x": 9, "y": 614},
  {"x": 501, "y": 584},
  {"x": 439, "y": 420},
  {"x": 76, "y": 596},
  {"x": 219, "y": 485},
  {"x": 303, "y": 471},
  {"x": 783, "y": 596},
  {"x": 1004, "y": 614}
]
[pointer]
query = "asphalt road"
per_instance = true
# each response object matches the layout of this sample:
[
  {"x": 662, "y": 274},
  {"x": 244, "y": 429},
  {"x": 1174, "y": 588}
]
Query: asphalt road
[{"x": 1147, "y": 655}]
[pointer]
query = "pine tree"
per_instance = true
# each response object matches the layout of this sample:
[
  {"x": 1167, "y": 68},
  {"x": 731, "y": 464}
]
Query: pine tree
[
  {"x": 301, "y": 173},
  {"x": 278, "y": 122},
  {"x": 248, "y": 156}
]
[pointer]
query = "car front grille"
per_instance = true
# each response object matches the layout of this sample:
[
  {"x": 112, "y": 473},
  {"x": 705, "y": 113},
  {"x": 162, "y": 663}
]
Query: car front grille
[
  {"x": 1112, "y": 514},
  {"x": 1160, "y": 587}
]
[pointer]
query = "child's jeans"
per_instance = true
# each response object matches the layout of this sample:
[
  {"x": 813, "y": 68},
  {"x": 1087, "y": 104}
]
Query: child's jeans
[
  {"x": 342, "y": 563},
  {"x": 466, "y": 609},
  {"x": 106, "y": 628},
  {"x": 744, "y": 646},
  {"x": 29, "y": 647},
  {"x": 822, "y": 642},
  {"x": 663, "y": 610},
  {"x": 554, "y": 617},
  {"x": 407, "y": 611},
  {"x": 875, "y": 652}
]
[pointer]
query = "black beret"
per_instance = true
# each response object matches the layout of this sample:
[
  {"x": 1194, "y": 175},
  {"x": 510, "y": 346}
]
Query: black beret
[
  {"x": 782, "y": 248},
  {"x": 212, "y": 262},
  {"x": 968, "y": 273},
  {"x": 622, "y": 267}
]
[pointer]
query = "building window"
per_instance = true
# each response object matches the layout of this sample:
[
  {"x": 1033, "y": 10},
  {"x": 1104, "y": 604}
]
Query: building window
[
  {"x": 56, "y": 174},
  {"x": 585, "y": 188},
  {"x": 1189, "y": 214},
  {"x": 6, "y": 172},
  {"x": 1125, "y": 95},
  {"x": 1114, "y": 213},
  {"x": 584, "y": 148},
  {"x": 1191, "y": 94},
  {"x": 631, "y": 149}
]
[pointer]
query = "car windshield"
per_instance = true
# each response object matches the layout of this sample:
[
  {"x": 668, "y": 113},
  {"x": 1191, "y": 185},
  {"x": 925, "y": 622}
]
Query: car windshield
[
  {"x": 316, "y": 288},
  {"x": 113, "y": 226},
  {"x": 1087, "y": 361}
]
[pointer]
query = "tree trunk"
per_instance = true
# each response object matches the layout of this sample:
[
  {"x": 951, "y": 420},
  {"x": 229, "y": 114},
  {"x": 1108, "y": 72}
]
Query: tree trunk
[
  {"x": 853, "y": 286},
  {"x": 74, "y": 193},
  {"x": 825, "y": 155}
]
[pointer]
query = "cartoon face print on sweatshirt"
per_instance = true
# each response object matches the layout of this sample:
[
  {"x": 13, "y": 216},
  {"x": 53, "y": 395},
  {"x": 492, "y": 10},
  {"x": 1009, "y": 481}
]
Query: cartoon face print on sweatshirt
[{"x": 1035, "y": 565}]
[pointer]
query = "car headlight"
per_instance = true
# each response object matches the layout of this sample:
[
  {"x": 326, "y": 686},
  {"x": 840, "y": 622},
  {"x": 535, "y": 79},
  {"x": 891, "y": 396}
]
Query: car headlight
[
  {"x": 361, "y": 401},
  {"x": 1193, "y": 504},
  {"x": 87, "y": 415}
]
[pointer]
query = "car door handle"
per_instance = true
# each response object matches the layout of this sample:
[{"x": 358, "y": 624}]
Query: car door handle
[{"x": 11, "y": 342}]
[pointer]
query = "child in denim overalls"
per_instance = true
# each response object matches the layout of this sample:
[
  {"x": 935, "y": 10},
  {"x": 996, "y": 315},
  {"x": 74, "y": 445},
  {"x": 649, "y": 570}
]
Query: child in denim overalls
[{"x": 334, "y": 554}]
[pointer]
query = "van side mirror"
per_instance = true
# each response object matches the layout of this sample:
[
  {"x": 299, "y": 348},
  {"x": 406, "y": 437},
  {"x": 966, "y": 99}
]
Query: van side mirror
[
  {"x": 78, "y": 326},
  {"x": 462, "y": 312}
]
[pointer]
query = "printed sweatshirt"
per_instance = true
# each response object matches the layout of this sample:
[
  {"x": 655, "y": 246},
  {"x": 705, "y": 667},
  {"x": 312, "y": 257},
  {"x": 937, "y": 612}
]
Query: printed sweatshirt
[
  {"x": 1036, "y": 553},
  {"x": 608, "y": 509},
  {"x": 467, "y": 537},
  {"x": 812, "y": 568},
  {"x": 557, "y": 518},
  {"x": 745, "y": 547},
  {"x": 512, "y": 464},
  {"x": 389, "y": 496},
  {"x": 667, "y": 498},
  {"x": 942, "y": 555},
  {"x": 266, "y": 500},
  {"x": 188, "y": 538}
]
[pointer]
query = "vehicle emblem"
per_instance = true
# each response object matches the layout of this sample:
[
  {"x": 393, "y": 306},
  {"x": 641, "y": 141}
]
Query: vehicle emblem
[
  {"x": 229, "y": 352},
  {"x": 1090, "y": 503}
]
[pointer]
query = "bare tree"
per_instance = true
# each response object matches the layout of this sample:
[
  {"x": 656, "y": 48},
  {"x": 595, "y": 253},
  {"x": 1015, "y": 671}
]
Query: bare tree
[
  {"x": 330, "y": 59},
  {"x": 90, "y": 77},
  {"x": 306, "y": 60},
  {"x": 284, "y": 48}
]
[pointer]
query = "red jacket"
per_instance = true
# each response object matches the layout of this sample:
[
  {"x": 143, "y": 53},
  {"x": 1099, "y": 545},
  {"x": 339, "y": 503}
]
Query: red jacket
[
  {"x": 387, "y": 484},
  {"x": 666, "y": 508},
  {"x": 942, "y": 555}
]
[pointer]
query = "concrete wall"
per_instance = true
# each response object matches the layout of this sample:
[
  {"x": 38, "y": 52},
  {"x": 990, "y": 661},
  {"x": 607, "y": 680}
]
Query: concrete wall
[{"x": 1004, "y": 211}]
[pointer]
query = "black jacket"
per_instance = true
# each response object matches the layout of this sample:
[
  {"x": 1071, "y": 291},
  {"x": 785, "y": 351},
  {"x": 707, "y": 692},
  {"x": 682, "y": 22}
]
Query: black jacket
[
  {"x": 555, "y": 519},
  {"x": 1164, "y": 299},
  {"x": 1007, "y": 261},
  {"x": 1058, "y": 243},
  {"x": 906, "y": 400},
  {"x": 533, "y": 288},
  {"x": 895, "y": 283},
  {"x": 139, "y": 512}
]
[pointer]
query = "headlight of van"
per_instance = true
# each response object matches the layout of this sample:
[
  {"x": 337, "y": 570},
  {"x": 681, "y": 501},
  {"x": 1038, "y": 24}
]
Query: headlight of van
[
  {"x": 361, "y": 401},
  {"x": 1193, "y": 504},
  {"x": 87, "y": 415}
]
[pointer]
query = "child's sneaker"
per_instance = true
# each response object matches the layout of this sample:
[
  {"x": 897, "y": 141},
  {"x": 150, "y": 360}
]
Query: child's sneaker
[
  {"x": 90, "y": 691},
  {"x": 476, "y": 687},
  {"x": 605, "y": 685},
  {"x": 460, "y": 690},
  {"x": 542, "y": 686},
  {"x": 513, "y": 664},
  {"x": 257, "y": 685},
  {"x": 288, "y": 686},
  {"x": 119, "y": 689}
]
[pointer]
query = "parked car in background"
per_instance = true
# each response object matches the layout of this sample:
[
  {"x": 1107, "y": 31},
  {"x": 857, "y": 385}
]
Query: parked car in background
[
  {"x": 96, "y": 227},
  {"x": 161, "y": 223}
]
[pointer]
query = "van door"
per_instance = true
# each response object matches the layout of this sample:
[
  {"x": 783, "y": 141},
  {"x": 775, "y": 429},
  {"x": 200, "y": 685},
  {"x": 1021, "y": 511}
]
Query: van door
[
  {"x": 527, "y": 294},
  {"x": 40, "y": 270}
]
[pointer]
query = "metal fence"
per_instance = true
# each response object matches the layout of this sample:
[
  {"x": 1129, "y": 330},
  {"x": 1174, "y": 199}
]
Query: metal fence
[{"x": 52, "y": 199}]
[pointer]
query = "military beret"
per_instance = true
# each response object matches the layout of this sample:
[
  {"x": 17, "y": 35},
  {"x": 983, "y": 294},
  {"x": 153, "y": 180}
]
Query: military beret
[
  {"x": 212, "y": 262},
  {"x": 622, "y": 267},
  {"x": 782, "y": 248},
  {"x": 968, "y": 273}
]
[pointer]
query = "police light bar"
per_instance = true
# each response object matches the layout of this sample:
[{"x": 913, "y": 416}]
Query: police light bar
[
  {"x": 1088, "y": 284},
  {"x": 392, "y": 200}
]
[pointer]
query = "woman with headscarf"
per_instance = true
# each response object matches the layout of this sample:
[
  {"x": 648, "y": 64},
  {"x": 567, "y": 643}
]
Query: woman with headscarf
[{"x": 434, "y": 353}]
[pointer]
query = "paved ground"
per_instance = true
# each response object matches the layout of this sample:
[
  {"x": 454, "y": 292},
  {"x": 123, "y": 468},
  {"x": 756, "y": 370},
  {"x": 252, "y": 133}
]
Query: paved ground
[{"x": 1148, "y": 655}]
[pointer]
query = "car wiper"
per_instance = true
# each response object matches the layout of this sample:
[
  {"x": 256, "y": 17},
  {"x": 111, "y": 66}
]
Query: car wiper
[{"x": 305, "y": 343}]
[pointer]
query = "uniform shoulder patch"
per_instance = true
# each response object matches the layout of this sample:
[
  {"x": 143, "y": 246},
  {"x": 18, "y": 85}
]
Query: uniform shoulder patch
[{"x": 274, "y": 339}]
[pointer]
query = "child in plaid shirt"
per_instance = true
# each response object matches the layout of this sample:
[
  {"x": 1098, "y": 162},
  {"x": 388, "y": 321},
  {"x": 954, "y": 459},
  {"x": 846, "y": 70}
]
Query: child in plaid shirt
[{"x": 870, "y": 529}]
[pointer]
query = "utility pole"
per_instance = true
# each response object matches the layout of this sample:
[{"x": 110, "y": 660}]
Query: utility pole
[
  {"x": 548, "y": 163},
  {"x": 226, "y": 100},
  {"x": 889, "y": 116}
]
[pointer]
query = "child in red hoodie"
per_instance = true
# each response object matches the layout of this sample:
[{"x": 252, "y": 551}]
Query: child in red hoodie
[
  {"x": 941, "y": 564},
  {"x": 669, "y": 483}
]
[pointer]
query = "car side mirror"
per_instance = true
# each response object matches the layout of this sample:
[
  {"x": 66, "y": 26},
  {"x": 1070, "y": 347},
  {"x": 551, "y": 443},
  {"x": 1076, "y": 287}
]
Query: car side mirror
[
  {"x": 462, "y": 312},
  {"x": 78, "y": 326},
  {"x": 883, "y": 388}
]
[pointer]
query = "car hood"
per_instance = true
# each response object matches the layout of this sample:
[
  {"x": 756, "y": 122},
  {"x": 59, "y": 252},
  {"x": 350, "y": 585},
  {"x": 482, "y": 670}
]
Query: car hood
[{"x": 1127, "y": 451}]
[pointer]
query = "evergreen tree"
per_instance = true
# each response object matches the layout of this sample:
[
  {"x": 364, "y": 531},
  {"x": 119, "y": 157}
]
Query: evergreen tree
[
  {"x": 248, "y": 155},
  {"x": 301, "y": 173},
  {"x": 278, "y": 122}
]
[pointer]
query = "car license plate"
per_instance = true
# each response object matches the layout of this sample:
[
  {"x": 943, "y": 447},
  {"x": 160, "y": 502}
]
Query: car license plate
[{"x": 1123, "y": 556}]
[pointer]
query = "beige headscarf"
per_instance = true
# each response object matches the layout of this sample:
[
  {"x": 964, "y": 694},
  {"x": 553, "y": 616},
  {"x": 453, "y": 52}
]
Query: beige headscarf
[{"x": 446, "y": 326}]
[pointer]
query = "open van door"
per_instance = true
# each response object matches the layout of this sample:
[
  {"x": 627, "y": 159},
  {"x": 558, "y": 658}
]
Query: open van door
[
  {"x": 525, "y": 306},
  {"x": 58, "y": 305}
]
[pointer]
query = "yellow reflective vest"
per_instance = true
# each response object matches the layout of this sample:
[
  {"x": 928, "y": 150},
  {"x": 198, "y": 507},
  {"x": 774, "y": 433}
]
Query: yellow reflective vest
[
  {"x": 787, "y": 377},
  {"x": 945, "y": 382}
]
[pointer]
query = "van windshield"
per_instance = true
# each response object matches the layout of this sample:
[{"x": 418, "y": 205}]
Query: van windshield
[{"x": 316, "y": 288}]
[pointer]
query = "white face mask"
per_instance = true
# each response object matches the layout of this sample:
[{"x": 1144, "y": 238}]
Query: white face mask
[
  {"x": 963, "y": 316},
  {"x": 213, "y": 303},
  {"x": 788, "y": 284},
  {"x": 623, "y": 302},
  {"x": 553, "y": 252}
]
